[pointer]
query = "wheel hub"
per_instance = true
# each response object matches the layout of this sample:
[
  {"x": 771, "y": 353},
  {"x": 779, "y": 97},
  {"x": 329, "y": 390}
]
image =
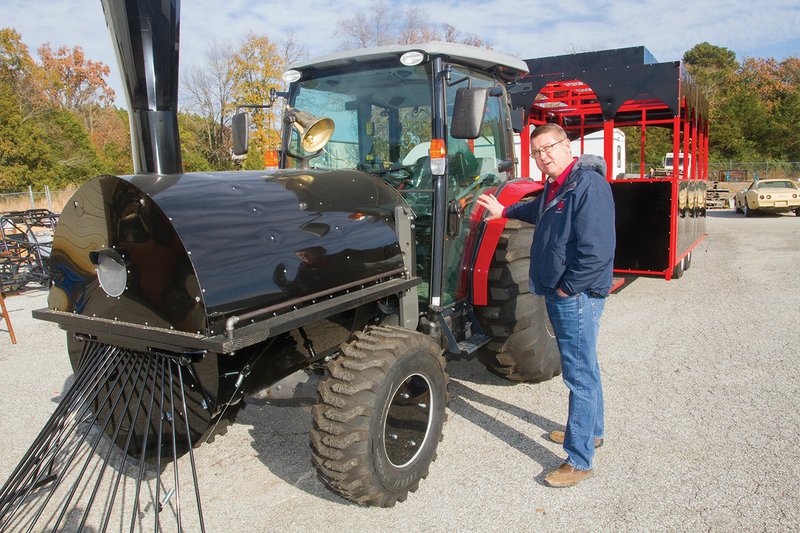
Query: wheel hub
[{"x": 407, "y": 420}]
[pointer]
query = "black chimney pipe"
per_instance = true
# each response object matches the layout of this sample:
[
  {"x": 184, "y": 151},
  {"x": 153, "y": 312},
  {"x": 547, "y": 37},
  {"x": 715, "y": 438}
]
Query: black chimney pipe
[{"x": 145, "y": 34}]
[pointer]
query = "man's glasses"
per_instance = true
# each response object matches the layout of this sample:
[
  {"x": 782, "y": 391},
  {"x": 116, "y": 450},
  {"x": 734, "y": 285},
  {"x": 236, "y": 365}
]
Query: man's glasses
[{"x": 546, "y": 149}]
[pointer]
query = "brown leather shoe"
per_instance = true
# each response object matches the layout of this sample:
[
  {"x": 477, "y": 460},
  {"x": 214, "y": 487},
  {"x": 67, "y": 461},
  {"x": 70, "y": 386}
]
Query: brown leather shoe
[
  {"x": 557, "y": 436},
  {"x": 566, "y": 476}
]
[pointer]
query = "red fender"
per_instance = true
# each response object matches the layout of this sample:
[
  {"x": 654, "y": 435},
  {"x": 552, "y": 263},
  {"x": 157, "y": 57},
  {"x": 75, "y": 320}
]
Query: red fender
[{"x": 508, "y": 194}]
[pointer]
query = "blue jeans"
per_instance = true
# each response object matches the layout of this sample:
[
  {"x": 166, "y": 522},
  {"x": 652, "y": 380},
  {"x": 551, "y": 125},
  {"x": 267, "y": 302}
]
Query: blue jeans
[{"x": 576, "y": 320}]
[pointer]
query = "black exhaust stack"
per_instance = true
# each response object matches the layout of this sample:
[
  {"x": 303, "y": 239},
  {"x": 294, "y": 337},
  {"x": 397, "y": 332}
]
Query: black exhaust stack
[{"x": 145, "y": 34}]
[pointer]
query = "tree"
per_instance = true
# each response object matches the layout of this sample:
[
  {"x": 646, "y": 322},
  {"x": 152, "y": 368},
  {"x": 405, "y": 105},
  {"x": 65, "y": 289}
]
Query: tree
[
  {"x": 257, "y": 68},
  {"x": 373, "y": 28},
  {"x": 711, "y": 57},
  {"x": 416, "y": 28},
  {"x": 774, "y": 88},
  {"x": 193, "y": 130},
  {"x": 210, "y": 92},
  {"x": 72, "y": 81},
  {"x": 111, "y": 137},
  {"x": 19, "y": 69},
  {"x": 377, "y": 27},
  {"x": 15, "y": 60},
  {"x": 24, "y": 156},
  {"x": 715, "y": 70}
]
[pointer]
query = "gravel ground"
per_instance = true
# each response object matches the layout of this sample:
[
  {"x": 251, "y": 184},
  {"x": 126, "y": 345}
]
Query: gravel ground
[{"x": 701, "y": 381}]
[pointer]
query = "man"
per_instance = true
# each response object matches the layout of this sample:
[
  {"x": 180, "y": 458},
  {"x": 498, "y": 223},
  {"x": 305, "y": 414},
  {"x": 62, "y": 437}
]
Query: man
[{"x": 572, "y": 258}]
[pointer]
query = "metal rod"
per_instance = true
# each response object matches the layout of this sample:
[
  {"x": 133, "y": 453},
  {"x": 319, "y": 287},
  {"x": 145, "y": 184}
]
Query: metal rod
[
  {"x": 440, "y": 191},
  {"x": 230, "y": 324},
  {"x": 138, "y": 366},
  {"x": 143, "y": 454},
  {"x": 177, "y": 487},
  {"x": 45, "y": 435},
  {"x": 116, "y": 400},
  {"x": 157, "y": 515},
  {"x": 45, "y": 440},
  {"x": 107, "y": 517},
  {"x": 114, "y": 390},
  {"x": 66, "y": 464},
  {"x": 191, "y": 454}
]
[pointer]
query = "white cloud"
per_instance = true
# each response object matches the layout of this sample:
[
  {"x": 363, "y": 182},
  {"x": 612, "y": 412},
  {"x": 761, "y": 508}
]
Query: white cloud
[{"x": 527, "y": 29}]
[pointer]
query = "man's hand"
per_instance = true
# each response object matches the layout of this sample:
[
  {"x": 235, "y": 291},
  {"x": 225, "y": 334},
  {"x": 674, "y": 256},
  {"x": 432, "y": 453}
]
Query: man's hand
[{"x": 490, "y": 203}]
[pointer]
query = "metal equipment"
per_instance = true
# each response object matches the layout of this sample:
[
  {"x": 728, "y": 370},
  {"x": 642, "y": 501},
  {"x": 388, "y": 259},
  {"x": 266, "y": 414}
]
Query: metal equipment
[
  {"x": 25, "y": 244},
  {"x": 356, "y": 266}
]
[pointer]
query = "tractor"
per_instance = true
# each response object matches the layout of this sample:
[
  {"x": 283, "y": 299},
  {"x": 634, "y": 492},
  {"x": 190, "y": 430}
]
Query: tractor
[{"x": 347, "y": 276}]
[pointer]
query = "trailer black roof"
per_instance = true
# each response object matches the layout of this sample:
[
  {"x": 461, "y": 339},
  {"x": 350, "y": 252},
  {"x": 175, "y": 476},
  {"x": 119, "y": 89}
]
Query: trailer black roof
[{"x": 610, "y": 84}]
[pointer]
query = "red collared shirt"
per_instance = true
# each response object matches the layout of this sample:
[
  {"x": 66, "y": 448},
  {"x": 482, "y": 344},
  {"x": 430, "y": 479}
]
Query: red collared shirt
[
  {"x": 558, "y": 182},
  {"x": 554, "y": 185}
]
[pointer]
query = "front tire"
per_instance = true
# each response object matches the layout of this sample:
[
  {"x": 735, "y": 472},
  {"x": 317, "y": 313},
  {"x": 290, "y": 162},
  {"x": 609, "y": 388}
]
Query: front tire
[
  {"x": 380, "y": 416},
  {"x": 523, "y": 346}
]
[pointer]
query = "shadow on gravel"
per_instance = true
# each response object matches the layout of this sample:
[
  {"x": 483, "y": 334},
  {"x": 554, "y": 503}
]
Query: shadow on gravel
[
  {"x": 733, "y": 214},
  {"x": 280, "y": 437},
  {"x": 536, "y": 451}
]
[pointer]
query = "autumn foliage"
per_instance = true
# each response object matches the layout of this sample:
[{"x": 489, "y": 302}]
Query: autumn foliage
[{"x": 59, "y": 125}]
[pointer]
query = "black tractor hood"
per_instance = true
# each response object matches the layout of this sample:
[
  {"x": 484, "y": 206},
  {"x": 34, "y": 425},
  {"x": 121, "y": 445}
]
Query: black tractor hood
[{"x": 200, "y": 248}]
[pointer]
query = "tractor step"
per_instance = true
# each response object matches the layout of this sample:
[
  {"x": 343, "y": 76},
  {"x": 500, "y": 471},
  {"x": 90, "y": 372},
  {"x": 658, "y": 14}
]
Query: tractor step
[
  {"x": 472, "y": 344},
  {"x": 475, "y": 337}
]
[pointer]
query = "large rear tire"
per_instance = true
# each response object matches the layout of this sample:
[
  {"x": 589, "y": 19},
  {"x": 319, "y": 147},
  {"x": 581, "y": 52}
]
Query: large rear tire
[
  {"x": 380, "y": 416},
  {"x": 523, "y": 346}
]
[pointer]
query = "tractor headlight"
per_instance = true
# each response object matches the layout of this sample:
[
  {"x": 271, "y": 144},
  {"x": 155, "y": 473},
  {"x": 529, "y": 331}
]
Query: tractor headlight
[{"x": 112, "y": 271}]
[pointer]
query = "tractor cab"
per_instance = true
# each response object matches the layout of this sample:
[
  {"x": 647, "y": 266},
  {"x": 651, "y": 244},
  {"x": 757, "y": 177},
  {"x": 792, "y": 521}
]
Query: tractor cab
[{"x": 431, "y": 120}]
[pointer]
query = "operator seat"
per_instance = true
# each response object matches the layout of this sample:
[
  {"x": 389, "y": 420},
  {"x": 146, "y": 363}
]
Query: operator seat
[{"x": 462, "y": 163}]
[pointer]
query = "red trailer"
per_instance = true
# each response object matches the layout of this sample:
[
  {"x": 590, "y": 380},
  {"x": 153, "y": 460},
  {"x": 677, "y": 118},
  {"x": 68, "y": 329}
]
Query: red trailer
[{"x": 659, "y": 219}]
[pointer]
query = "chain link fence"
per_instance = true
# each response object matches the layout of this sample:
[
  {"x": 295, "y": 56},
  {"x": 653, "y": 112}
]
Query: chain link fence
[
  {"x": 43, "y": 199},
  {"x": 740, "y": 171}
]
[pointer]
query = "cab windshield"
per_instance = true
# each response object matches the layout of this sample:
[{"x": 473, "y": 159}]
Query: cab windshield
[{"x": 382, "y": 118}]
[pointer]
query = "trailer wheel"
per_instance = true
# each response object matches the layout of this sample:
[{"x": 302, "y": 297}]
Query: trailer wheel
[
  {"x": 380, "y": 416},
  {"x": 523, "y": 346},
  {"x": 678, "y": 269}
]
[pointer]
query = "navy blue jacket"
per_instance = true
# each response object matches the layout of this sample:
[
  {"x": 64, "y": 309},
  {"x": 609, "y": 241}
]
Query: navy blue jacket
[{"x": 574, "y": 239}]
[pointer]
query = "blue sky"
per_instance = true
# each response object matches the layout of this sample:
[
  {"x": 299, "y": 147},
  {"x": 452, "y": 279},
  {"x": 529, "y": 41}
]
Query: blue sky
[{"x": 527, "y": 28}]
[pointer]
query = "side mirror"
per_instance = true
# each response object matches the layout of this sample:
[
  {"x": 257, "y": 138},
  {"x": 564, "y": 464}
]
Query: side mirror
[
  {"x": 468, "y": 111},
  {"x": 240, "y": 132}
]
